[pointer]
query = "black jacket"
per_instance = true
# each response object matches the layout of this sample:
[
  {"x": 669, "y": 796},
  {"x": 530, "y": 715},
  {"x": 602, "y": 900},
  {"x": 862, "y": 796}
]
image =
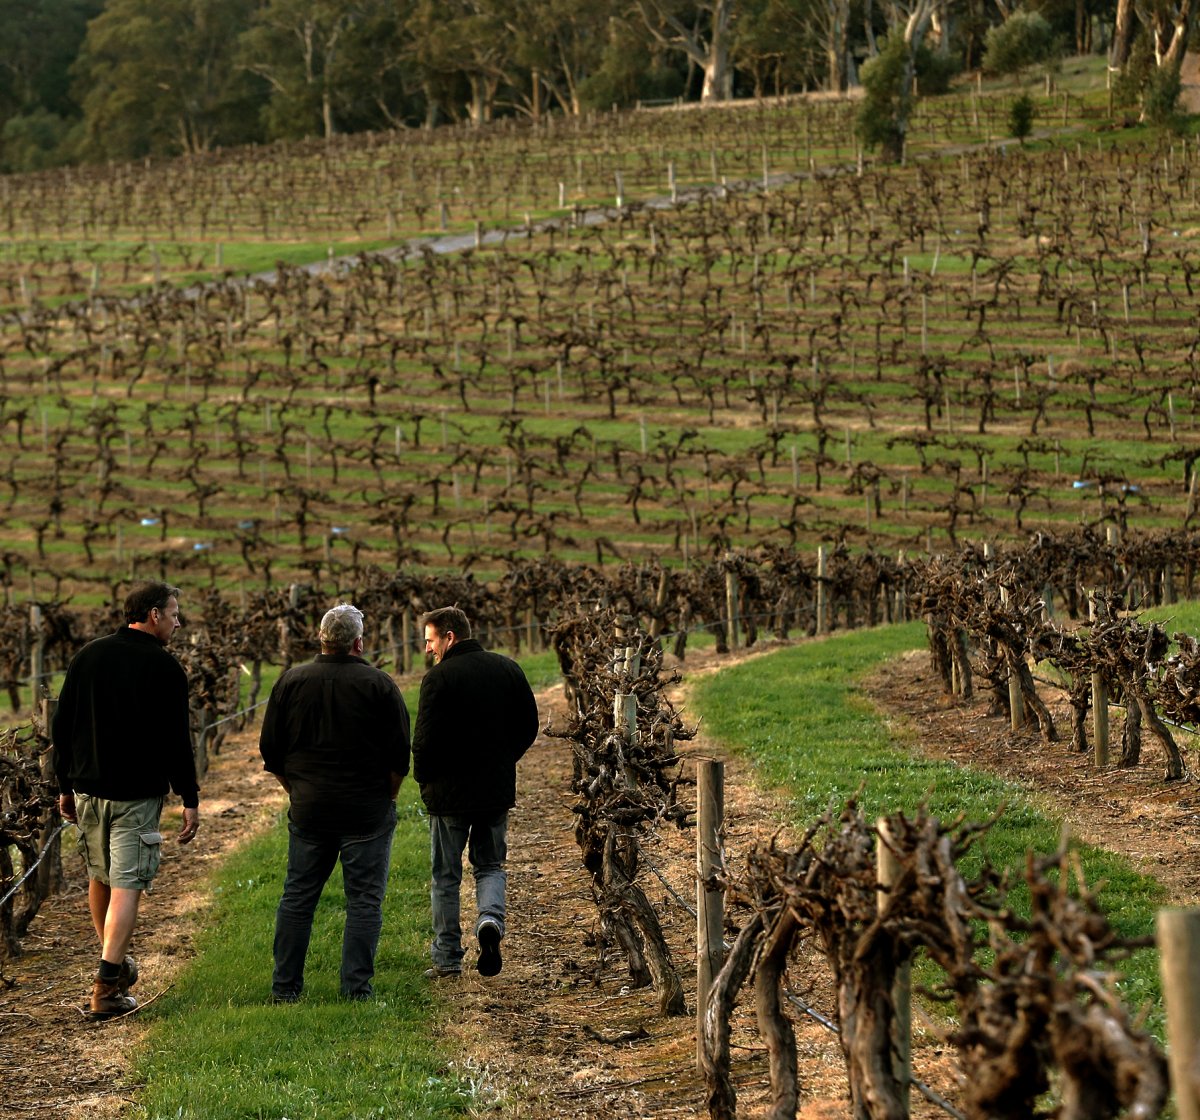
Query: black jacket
[
  {"x": 476, "y": 718},
  {"x": 336, "y": 729},
  {"x": 121, "y": 726}
]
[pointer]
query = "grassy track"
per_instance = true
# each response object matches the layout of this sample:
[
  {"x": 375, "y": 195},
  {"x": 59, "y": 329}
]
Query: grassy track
[
  {"x": 801, "y": 720},
  {"x": 220, "y": 1051}
]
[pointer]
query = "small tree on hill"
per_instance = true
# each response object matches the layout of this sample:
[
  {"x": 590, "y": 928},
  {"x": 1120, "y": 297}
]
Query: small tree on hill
[
  {"x": 1020, "y": 117},
  {"x": 889, "y": 80}
]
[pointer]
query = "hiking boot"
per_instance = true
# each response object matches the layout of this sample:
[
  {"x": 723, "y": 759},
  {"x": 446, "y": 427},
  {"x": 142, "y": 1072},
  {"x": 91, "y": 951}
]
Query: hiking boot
[
  {"x": 490, "y": 961},
  {"x": 108, "y": 1000},
  {"x": 128, "y": 976},
  {"x": 436, "y": 973}
]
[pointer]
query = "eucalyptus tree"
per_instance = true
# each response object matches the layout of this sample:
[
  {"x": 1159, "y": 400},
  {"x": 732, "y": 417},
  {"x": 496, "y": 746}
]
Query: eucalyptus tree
[
  {"x": 888, "y": 78},
  {"x": 159, "y": 76},
  {"x": 558, "y": 45},
  {"x": 702, "y": 30},
  {"x": 785, "y": 44},
  {"x": 295, "y": 47},
  {"x": 462, "y": 43}
]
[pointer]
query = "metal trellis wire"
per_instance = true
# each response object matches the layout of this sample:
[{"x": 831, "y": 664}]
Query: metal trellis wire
[{"x": 34, "y": 866}]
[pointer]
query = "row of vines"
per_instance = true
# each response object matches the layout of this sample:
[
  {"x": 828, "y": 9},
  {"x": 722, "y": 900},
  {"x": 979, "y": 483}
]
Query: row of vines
[
  {"x": 981, "y": 345},
  {"x": 983, "y": 620}
]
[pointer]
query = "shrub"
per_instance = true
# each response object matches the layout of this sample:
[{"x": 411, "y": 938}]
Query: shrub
[
  {"x": 883, "y": 114},
  {"x": 1024, "y": 39},
  {"x": 1160, "y": 96},
  {"x": 1020, "y": 117},
  {"x": 878, "y": 123}
]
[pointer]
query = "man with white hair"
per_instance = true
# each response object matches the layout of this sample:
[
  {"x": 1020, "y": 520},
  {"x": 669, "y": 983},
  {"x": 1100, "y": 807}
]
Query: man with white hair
[{"x": 336, "y": 737}]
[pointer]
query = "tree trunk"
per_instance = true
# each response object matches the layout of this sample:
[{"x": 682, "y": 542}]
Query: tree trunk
[
  {"x": 866, "y": 1013},
  {"x": 718, "y": 1019},
  {"x": 718, "y": 76},
  {"x": 1122, "y": 34},
  {"x": 1162, "y": 733},
  {"x": 620, "y": 889},
  {"x": 1181, "y": 31},
  {"x": 773, "y": 1024}
]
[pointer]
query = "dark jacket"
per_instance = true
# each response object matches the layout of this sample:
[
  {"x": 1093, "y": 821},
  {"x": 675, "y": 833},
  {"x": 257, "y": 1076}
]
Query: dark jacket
[
  {"x": 476, "y": 718},
  {"x": 120, "y": 729},
  {"x": 336, "y": 730}
]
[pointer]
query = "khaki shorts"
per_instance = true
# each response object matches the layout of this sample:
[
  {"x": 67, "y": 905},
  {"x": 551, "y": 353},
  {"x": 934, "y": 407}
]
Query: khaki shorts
[{"x": 119, "y": 840}]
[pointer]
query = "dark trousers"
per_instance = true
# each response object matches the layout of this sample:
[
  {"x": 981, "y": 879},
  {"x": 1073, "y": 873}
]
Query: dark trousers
[
  {"x": 311, "y": 859},
  {"x": 485, "y": 839}
]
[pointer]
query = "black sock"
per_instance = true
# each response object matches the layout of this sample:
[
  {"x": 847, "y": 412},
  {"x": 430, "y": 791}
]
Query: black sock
[{"x": 109, "y": 972}]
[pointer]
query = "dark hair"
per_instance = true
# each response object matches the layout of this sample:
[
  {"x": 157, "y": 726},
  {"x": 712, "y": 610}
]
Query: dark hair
[
  {"x": 448, "y": 619},
  {"x": 145, "y": 597}
]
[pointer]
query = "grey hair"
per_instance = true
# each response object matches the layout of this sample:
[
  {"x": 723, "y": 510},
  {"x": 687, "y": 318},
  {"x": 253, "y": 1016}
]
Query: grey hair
[{"x": 341, "y": 627}]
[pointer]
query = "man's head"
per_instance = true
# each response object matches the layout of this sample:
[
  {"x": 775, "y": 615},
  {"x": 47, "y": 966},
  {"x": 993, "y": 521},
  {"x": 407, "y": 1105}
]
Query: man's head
[
  {"x": 154, "y": 609},
  {"x": 443, "y": 628},
  {"x": 342, "y": 629}
]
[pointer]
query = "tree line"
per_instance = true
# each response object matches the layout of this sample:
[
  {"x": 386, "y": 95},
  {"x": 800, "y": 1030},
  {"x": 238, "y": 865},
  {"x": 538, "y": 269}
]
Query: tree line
[{"x": 85, "y": 80}]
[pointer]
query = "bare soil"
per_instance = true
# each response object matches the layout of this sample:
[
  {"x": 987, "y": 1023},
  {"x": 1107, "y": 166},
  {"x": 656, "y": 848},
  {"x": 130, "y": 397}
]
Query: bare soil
[{"x": 558, "y": 1033}]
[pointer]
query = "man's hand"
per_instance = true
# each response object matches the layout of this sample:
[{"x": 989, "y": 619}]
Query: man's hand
[
  {"x": 66, "y": 807},
  {"x": 191, "y": 823}
]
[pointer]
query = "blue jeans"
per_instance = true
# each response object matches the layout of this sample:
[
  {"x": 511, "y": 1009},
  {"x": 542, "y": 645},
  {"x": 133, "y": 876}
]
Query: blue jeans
[
  {"x": 311, "y": 859},
  {"x": 486, "y": 844}
]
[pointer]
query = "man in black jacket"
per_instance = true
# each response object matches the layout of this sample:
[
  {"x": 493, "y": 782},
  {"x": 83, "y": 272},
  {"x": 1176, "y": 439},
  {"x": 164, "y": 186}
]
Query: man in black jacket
[
  {"x": 476, "y": 718},
  {"x": 336, "y": 736},
  {"x": 121, "y": 741}
]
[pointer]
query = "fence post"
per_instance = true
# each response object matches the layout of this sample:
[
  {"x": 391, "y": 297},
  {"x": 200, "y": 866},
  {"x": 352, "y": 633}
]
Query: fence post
[
  {"x": 285, "y": 629},
  {"x": 37, "y": 657},
  {"x": 822, "y": 606},
  {"x": 901, "y": 1033},
  {"x": 1016, "y": 703},
  {"x": 49, "y": 877},
  {"x": 731, "y": 607},
  {"x": 710, "y": 899},
  {"x": 660, "y": 604},
  {"x": 627, "y": 663},
  {"x": 406, "y": 644},
  {"x": 1179, "y": 961},
  {"x": 1099, "y": 704}
]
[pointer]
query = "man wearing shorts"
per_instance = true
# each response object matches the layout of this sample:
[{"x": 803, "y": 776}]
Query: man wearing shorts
[{"x": 121, "y": 743}]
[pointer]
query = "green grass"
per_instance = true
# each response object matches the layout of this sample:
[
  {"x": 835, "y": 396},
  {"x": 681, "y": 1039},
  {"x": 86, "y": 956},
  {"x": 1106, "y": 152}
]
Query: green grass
[
  {"x": 218, "y": 1049},
  {"x": 800, "y": 718}
]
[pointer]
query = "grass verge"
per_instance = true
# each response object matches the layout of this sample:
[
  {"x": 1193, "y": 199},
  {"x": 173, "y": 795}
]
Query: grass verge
[
  {"x": 800, "y": 718},
  {"x": 218, "y": 1049}
]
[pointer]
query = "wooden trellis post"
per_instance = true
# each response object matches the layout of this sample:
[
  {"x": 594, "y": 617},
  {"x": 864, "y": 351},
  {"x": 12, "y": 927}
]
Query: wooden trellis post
[
  {"x": 901, "y": 1032},
  {"x": 1179, "y": 960},
  {"x": 1016, "y": 703},
  {"x": 37, "y": 656},
  {"x": 49, "y": 875},
  {"x": 1099, "y": 704},
  {"x": 627, "y": 663},
  {"x": 731, "y": 607},
  {"x": 710, "y": 899},
  {"x": 822, "y": 605}
]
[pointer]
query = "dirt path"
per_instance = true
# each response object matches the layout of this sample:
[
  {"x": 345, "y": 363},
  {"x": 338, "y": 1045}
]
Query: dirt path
[
  {"x": 53, "y": 1062},
  {"x": 557, "y": 1034}
]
